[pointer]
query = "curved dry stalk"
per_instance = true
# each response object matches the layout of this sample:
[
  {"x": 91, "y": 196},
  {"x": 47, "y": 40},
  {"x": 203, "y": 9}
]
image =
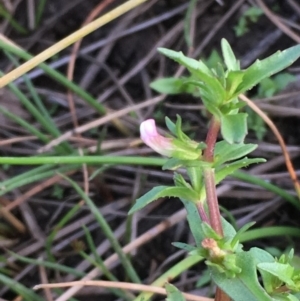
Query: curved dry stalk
[
  {"x": 141, "y": 240},
  {"x": 70, "y": 73},
  {"x": 71, "y": 66},
  {"x": 121, "y": 285},
  {"x": 274, "y": 129},
  {"x": 44, "y": 279},
  {"x": 9, "y": 217},
  {"x": 99, "y": 122},
  {"x": 278, "y": 22},
  {"x": 33, "y": 191}
]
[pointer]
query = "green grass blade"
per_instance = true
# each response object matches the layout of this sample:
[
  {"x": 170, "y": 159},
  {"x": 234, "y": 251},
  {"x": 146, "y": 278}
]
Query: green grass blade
[
  {"x": 33, "y": 176},
  {"x": 187, "y": 22},
  {"x": 83, "y": 160},
  {"x": 107, "y": 232},
  {"x": 257, "y": 181},
  {"x": 24, "y": 124},
  {"x": 49, "y": 265},
  {"x": 38, "y": 116},
  {"x": 26, "y": 293},
  {"x": 39, "y": 108},
  {"x": 6, "y": 15},
  {"x": 63, "y": 221},
  {"x": 39, "y": 11},
  {"x": 172, "y": 273},
  {"x": 269, "y": 232},
  {"x": 57, "y": 76}
]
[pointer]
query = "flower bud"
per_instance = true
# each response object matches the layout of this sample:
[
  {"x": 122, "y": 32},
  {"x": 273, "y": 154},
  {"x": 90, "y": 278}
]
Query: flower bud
[
  {"x": 170, "y": 147},
  {"x": 154, "y": 140}
]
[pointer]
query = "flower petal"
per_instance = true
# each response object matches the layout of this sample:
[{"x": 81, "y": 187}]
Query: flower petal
[{"x": 154, "y": 140}]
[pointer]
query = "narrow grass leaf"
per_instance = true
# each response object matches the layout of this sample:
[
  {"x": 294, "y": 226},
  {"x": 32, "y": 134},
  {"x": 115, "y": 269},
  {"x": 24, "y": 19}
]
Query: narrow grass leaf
[
  {"x": 15, "y": 286},
  {"x": 173, "y": 293},
  {"x": 108, "y": 232}
]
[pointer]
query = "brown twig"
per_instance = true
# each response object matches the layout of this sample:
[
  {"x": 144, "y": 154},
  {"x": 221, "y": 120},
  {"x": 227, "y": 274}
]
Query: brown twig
[
  {"x": 280, "y": 139},
  {"x": 121, "y": 285},
  {"x": 44, "y": 280},
  {"x": 278, "y": 22}
]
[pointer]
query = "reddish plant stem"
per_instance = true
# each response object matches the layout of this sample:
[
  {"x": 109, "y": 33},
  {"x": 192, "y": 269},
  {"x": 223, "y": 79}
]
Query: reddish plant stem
[
  {"x": 202, "y": 213},
  {"x": 211, "y": 139},
  {"x": 212, "y": 200},
  {"x": 210, "y": 187},
  {"x": 209, "y": 177}
]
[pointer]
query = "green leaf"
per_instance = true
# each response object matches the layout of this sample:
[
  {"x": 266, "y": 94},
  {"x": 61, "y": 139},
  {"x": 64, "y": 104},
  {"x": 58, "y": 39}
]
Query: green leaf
[
  {"x": 210, "y": 88},
  {"x": 180, "y": 181},
  {"x": 195, "y": 175},
  {"x": 209, "y": 232},
  {"x": 175, "y": 128},
  {"x": 179, "y": 133},
  {"x": 245, "y": 285},
  {"x": 188, "y": 19},
  {"x": 283, "y": 272},
  {"x": 184, "y": 246},
  {"x": 253, "y": 13},
  {"x": 228, "y": 229},
  {"x": 283, "y": 79},
  {"x": 163, "y": 191},
  {"x": 172, "y": 86},
  {"x": 170, "y": 125},
  {"x": 194, "y": 221},
  {"x": 233, "y": 80},
  {"x": 173, "y": 293},
  {"x": 225, "y": 152},
  {"x": 230, "y": 61},
  {"x": 267, "y": 67},
  {"x": 172, "y": 164},
  {"x": 213, "y": 60},
  {"x": 270, "y": 86},
  {"x": 213, "y": 109},
  {"x": 241, "y": 231},
  {"x": 192, "y": 65},
  {"x": 234, "y": 127},
  {"x": 228, "y": 169}
]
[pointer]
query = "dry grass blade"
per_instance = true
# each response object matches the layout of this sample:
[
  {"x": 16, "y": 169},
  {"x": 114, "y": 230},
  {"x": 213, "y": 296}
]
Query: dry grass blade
[
  {"x": 141, "y": 240},
  {"x": 33, "y": 191},
  {"x": 71, "y": 66},
  {"x": 44, "y": 279},
  {"x": 122, "y": 285},
  {"x": 62, "y": 44},
  {"x": 100, "y": 121},
  {"x": 8, "y": 216},
  {"x": 278, "y": 22},
  {"x": 274, "y": 129}
]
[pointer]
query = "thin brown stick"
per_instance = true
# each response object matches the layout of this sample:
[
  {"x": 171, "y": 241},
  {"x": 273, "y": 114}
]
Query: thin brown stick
[
  {"x": 141, "y": 240},
  {"x": 70, "y": 73},
  {"x": 44, "y": 279},
  {"x": 280, "y": 139},
  {"x": 71, "y": 66},
  {"x": 9, "y": 217},
  {"x": 121, "y": 285},
  {"x": 278, "y": 22},
  {"x": 33, "y": 191},
  {"x": 100, "y": 121}
]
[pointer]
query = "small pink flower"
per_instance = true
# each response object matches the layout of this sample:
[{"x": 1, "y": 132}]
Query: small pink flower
[{"x": 154, "y": 140}]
